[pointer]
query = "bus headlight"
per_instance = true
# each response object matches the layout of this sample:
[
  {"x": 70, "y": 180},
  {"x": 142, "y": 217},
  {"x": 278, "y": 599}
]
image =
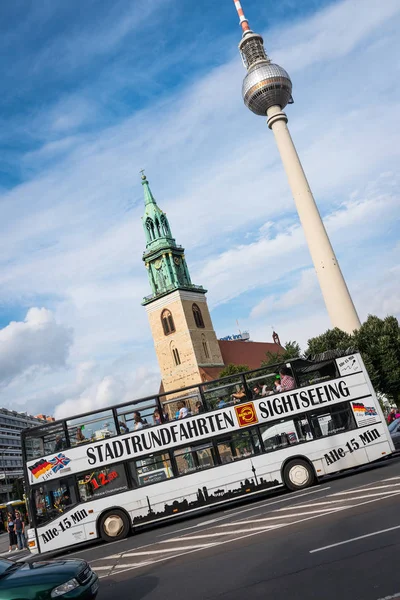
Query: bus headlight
[{"x": 64, "y": 588}]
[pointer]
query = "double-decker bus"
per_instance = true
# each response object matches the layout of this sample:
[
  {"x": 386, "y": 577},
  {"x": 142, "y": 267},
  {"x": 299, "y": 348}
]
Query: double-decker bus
[{"x": 104, "y": 473}]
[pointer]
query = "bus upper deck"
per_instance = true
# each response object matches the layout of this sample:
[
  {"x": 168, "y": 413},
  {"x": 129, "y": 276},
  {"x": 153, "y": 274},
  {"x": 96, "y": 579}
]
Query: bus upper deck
[{"x": 163, "y": 408}]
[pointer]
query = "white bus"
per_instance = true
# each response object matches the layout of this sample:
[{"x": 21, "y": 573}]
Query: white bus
[{"x": 102, "y": 474}]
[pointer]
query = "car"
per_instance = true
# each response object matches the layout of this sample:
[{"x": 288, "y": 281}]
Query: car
[
  {"x": 394, "y": 430},
  {"x": 47, "y": 579}
]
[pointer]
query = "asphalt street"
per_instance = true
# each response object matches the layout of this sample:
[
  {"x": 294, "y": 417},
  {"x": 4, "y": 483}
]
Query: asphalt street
[{"x": 339, "y": 539}]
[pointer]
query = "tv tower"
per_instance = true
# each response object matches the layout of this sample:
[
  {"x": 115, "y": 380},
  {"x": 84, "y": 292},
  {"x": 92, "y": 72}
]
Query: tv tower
[{"x": 266, "y": 90}]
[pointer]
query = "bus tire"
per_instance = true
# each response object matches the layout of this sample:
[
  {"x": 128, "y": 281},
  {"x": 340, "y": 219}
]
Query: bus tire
[
  {"x": 298, "y": 474},
  {"x": 114, "y": 525}
]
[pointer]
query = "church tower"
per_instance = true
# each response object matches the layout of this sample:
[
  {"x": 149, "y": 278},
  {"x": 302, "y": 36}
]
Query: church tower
[{"x": 180, "y": 321}]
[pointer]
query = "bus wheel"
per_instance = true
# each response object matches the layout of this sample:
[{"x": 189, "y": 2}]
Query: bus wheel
[
  {"x": 298, "y": 474},
  {"x": 114, "y": 525}
]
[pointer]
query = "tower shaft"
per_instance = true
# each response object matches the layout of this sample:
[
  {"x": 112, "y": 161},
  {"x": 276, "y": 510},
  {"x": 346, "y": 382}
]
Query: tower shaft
[
  {"x": 266, "y": 90},
  {"x": 339, "y": 304}
]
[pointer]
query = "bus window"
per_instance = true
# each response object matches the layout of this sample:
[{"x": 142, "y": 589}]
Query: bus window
[
  {"x": 238, "y": 445},
  {"x": 52, "y": 498},
  {"x": 335, "y": 419},
  {"x": 45, "y": 441},
  {"x": 102, "y": 482},
  {"x": 261, "y": 382},
  {"x": 91, "y": 428},
  {"x": 286, "y": 432},
  {"x": 309, "y": 373},
  {"x": 225, "y": 392},
  {"x": 151, "y": 469},
  {"x": 194, "y": 458},
  {"x": 126, "y": 413},
  {"x": 172, "y": 404}
]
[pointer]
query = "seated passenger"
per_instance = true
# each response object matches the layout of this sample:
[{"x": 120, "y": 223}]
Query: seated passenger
[
  {"x": 199, "y": 408},
  {"x": 123, "y": 427},
  {"x": 221, "y": 403},
  {"x": 256, "y": 392},
  {"x": 139, "y": 423},
  {"x": 157, "y": 417},
  {"x": 239, "y": 396},
  {"x": 60, "y": 444},
  {"x": 287, "y": 381},
  {"x": 79, "y": 435},
  {"x": 183, "y": 411}
]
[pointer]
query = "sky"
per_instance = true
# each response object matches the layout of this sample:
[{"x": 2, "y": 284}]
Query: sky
[{"x": 95, "y": 91}]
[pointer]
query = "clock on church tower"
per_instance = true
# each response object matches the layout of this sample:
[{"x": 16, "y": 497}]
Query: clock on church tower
[{"x": 181, "y": 326}]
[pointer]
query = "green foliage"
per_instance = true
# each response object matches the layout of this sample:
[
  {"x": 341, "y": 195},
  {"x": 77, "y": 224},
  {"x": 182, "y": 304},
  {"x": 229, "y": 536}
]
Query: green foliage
[
  {"x": 333, "y": 339},
  {"x": 291, "y": 350},
  {"x": 378, "y": 341},
  {"x": 232, "y": 369},
  {"x": 17, "y": 492}
]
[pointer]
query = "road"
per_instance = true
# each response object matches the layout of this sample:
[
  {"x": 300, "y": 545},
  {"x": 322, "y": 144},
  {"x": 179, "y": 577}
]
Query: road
[{"x": 339, "y": 539}]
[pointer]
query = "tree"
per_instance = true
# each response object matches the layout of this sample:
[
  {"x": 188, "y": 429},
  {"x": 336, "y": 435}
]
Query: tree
[
  {"x": 17, "y": 492},
  {"x": 232, "y": 369},
  {"x": 333, "y": 339},
  {"x": 290, "y": 350},
  {"x": 378, "y": 341}
]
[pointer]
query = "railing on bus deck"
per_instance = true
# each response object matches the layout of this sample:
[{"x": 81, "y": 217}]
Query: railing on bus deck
[{"x": 154, "y": 410}]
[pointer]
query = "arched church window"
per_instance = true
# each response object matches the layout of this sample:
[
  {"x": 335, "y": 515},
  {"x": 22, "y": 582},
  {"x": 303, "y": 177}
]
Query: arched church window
[
  {"x": 198, "y": 317},
  {"x": 158, "y": 228},
  {"x": 175, "y": 355},
  {"x": 205, "y": 346},
  {"x": 167, "y": 322},
  {"x": 164, "y": 225},
  {"x": 150, "y": 228}
]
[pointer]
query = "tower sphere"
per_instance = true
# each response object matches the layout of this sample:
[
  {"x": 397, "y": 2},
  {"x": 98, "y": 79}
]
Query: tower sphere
[{"x": 266, "y": 85}]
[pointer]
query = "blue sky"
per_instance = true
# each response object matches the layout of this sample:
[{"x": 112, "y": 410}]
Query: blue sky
[{"x": 95, "y": 91}]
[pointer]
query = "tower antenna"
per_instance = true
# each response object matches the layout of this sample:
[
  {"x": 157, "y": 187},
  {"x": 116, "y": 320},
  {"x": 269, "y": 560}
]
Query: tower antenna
[{"x": 244, "y": 24}]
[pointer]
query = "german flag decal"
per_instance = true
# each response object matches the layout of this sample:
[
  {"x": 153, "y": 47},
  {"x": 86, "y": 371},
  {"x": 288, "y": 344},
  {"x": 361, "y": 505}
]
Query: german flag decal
[{"x": 40, "y": 468}]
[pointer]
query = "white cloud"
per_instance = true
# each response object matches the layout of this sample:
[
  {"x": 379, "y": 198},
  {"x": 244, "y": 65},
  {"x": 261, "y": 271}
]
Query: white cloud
[
  {"x": 37, "y": 342},
  {"x": 108, "y": 390}
]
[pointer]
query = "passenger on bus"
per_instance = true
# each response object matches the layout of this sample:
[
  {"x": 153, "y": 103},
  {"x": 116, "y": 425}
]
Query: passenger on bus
[
  {"x": 79, "y": 435},
  {"x": 157, "y": 417},
  {"x": 239, "y": 396},
  {"x": 123, "y": 427},
  {"x": 60, "y": 444},
  {"x": 221, "y": 403},
  {"x": 287, "y": 381},
  {"x": 138, "y": 421},
  {"x": 183, "y": 411},
  {"x": 199, "y": 408},
  {"x": 256, "y": 392}
]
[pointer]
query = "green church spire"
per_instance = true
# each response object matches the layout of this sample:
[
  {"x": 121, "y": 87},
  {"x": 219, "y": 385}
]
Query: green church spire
[{"x": 164, "y": 259}]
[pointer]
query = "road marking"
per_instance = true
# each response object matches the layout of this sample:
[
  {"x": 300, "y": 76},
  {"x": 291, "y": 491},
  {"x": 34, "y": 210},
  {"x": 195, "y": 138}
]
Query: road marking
[
  {"x": 360, "y": 537},
  {"x": 369, "y": 489},
  {"x": 388, "y": 494},
  {"x": 301, "y": 514},
  {"x": 285, "y": 499},
  {"x": 297, "y": 506},
  {"x": 390, "y": 597},
  {"x": 164, "y": 550}
]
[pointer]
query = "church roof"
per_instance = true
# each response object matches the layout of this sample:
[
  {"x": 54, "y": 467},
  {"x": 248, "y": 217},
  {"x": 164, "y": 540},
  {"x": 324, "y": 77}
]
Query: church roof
[{"x": 246, "y": 353}]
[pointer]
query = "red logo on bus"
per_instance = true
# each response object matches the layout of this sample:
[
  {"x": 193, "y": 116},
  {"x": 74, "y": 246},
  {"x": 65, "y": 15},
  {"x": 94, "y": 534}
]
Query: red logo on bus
[{"x": 246, "y": 414}]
